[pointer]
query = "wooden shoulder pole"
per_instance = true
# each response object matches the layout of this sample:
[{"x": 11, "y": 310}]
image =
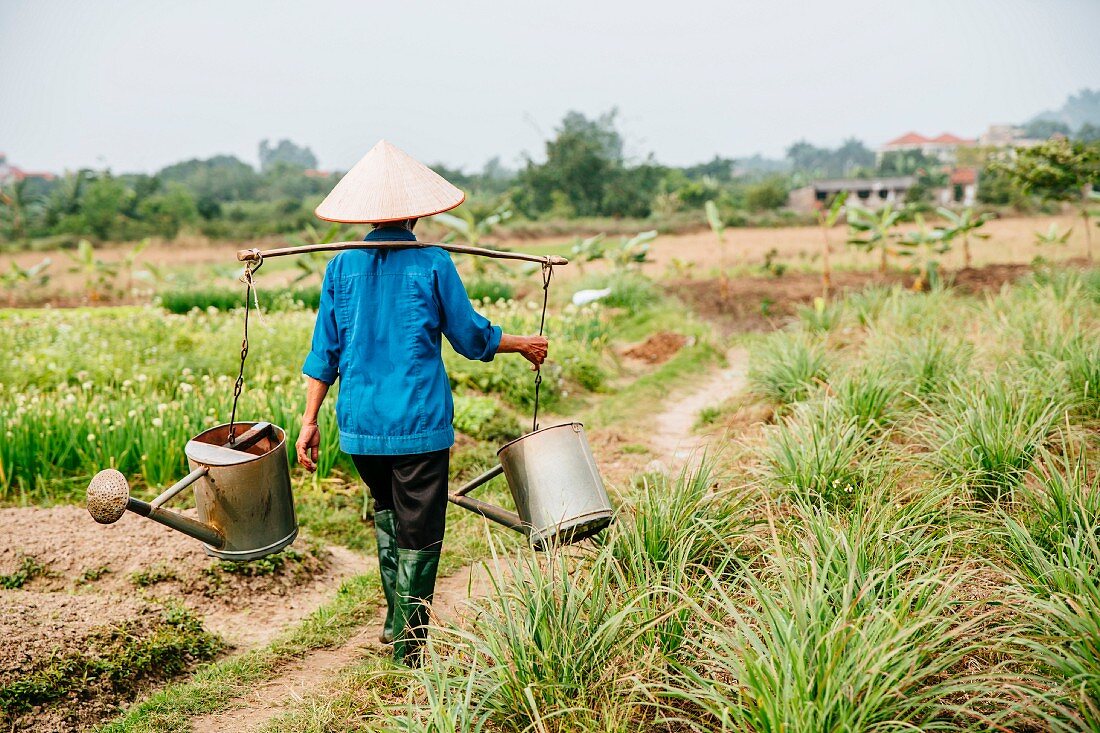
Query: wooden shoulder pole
[{"x": 246, "y": 255}]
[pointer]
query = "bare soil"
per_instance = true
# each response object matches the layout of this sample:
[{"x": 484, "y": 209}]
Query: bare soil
[
  {"x": 763, "y": 304},
  {"x": 94, "y": 580}
]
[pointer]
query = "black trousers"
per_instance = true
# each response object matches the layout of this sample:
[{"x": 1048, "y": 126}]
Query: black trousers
[{"x": 414, "y": 488}]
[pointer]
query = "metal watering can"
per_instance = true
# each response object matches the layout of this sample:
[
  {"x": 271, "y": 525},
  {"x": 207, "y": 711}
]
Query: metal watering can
[
  {"x": 242, "y": 493},
  {"x": 555, "y": 485}
]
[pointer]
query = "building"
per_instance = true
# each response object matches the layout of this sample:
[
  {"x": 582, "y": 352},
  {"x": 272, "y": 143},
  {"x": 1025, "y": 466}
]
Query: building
[
  {"x": 875, "y": 193},
  {"x": 944, "y": 147},
  {"x": 10, "y": 174},
  {"x": 870, "y": 193},
  {"x": 1005, "y": 136}
]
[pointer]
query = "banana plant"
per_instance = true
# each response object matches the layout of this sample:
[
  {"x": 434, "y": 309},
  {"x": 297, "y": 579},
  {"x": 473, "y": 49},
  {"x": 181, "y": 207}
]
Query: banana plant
[
  {"x": 471, "y": 229},
  {"x": 827, "y": 220},
  {"x": 922, "y": 245},
  {"x": 719, "y": 228},
  {"x": 588, "y": 250},
  {"x": 312, "y": 264},
  {"x": 98, "y": 274},
  {"x": 17, "y": 277},
  {"x": 1052, "y": 236},
  {"x": 872, "y": 230},
  {"x": 964, "y": 224},
  {"x": 633, "y": 251}
]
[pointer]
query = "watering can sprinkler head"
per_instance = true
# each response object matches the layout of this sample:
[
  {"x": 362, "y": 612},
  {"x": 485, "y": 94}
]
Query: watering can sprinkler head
[
  {"x": 108, "y": 495},
  {"x": 243, "y": 502}
]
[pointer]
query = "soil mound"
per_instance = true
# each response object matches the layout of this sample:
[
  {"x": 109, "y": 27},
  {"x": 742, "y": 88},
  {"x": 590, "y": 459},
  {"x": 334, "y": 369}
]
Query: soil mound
[{"x": 658, "y": 348}]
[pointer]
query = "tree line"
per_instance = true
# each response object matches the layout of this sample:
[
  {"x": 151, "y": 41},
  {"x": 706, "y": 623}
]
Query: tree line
[{"x": 585, "y": 172}]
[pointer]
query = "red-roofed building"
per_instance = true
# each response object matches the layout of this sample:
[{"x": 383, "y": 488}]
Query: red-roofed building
[
  {"x": 943, "y": 147},
  {"x": 10, "y": 174}
]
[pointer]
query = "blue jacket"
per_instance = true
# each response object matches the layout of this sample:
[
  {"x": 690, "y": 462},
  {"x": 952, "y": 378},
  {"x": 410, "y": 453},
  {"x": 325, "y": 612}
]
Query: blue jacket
[{"x": 378, "y": 329}]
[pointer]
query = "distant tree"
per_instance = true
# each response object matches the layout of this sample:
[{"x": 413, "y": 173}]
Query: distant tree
[
  {"x": 1041, "y": 129},
  {"x": 167, "y": 212},
  {"x": 871, "y": 230},
  {"x": 286, "y": 152},
  {"x": 222, "y": 178},
  {"x": 809, "y": 159},
  {"x": 103, "y": 204},
  {"x": 827, "y": 220},
  {"x": 1079, "y": 109},
  {"x": 17, "y": 205},
  {"x": 1058, "y": 170},
  {"x": 853, "y": 156},
  {"x": 585, "y": 173},
  {"x": 767, "y": 195},
  {"x": 847, "y": 160},
  {"x": 717, "y": 169},
  {"x": 1088, "y": 133}
]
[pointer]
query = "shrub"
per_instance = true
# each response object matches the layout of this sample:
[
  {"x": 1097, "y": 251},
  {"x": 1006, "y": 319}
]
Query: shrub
[{"x": 483, "y": 418}]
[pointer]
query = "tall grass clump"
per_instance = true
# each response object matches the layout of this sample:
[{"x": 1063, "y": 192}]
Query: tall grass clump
[
  {"x": 541, "y": 654},
  {"x": 816, "y": 455},
  {"x": 1053, "y": 542},
  {"x": 928, "y": 362},
  {"x": 870, "y": 397},
  {"x": 671, "y": 536},
  {"x": 787, "y": 367},
  {"x": 988, "y": 434},
  {"x": 822, "y": 644}
]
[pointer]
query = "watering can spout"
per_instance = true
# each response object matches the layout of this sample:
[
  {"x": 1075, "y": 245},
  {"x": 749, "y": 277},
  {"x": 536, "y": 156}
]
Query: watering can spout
[{"x": 109, "y": 498}]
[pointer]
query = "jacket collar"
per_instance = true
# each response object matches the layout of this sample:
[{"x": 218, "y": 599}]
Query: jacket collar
[{"x": 390, "y": 234}]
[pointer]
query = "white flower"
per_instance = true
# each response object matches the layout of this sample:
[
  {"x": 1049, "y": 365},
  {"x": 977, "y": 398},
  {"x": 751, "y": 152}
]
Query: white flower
[
  {"x": 157, "y": 422},
  {"x": 185, "y": 387},
  {"x": 91, "y": 437},
  {"x": 162, "y": 408}
]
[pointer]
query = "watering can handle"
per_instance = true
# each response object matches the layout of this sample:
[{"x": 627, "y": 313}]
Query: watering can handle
[{"x": 509, "y": 519}]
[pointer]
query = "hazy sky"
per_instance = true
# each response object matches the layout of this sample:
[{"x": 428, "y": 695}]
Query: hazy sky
[{"x": 137, "y": 85}]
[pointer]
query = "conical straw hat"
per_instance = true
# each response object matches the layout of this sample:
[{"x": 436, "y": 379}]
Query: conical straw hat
[{"x": 388, "y": 184}]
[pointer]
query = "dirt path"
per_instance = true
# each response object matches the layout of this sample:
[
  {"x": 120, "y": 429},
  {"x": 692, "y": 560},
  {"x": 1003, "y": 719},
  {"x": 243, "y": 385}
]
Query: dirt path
[
  {"x": 673, "y": 438},
  {"x": 274, "y": 696}
]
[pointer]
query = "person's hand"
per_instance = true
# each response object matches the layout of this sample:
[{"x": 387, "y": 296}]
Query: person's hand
[
  {"x": 534, "y": 350},
  {"x": 307, "y": 446}
]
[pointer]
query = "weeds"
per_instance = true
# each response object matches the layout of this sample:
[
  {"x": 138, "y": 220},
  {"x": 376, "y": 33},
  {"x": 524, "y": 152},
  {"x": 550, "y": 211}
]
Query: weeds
[{"x": 29, "y": 569}]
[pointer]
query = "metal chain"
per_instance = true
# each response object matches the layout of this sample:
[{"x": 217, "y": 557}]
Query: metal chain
[
  {"x": 547, "y": 273},
  {"x": 238, "y": 386}
]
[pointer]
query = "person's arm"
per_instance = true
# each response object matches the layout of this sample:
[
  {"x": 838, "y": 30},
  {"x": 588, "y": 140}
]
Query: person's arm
[
  {"x": 533, "y": 348},
  {"x": 322, "y": 367},
  {"x": 309, "y": 439}
]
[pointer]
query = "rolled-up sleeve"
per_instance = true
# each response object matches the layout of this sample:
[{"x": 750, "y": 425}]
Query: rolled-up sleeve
[
  {"x": 470, "y": 333},
  {"x": 323, "y": 361}
]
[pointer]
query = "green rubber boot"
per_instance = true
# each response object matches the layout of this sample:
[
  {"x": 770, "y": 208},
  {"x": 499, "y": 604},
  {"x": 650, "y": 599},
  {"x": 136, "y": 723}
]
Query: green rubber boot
[
  {"x": 385, "y": 529},
  {"x": 415, "y": 587}
]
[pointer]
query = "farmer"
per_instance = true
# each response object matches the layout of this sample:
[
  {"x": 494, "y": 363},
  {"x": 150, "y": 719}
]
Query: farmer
[{"x": 378, "y": 329}]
